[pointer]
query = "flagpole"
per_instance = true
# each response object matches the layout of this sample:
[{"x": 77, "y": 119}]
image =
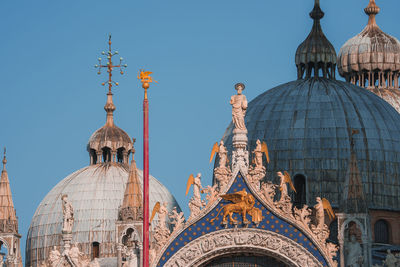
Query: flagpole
[
  {"x": 146, "y": 80},
  {"x": 146, "y": 244}
]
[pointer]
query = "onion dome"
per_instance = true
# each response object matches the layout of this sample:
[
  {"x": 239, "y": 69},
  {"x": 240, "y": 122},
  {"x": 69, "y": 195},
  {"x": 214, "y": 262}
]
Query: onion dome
[
  {"x": 96, "y": 193},
  {"x": 109, "y": 143},
  {"x": 371, "y": 60},
  {"x": 316, "y": 53}
]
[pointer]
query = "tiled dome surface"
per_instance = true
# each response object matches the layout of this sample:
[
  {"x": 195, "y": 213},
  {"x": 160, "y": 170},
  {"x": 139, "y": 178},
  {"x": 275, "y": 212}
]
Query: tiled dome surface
[
  {"x": 96, "y": 192},
  {"x": 307, "y": 123}
]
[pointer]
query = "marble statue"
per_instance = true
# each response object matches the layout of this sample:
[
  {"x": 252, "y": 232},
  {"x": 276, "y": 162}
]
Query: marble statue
[
  {"x": 239, "y": 107},
  {"x": 177, "y": 219},
  {"x": 162, "y": 215},
  {"x": 391, "y": 260},
  {"x": 258, "y": 155},
  {"x": 68, "y": 214},
  {"x": 195, "y": 203},
  {"x": 197, "y": 186},
  {"x": 74, "y": 254},
  {"x": 283, "y": 186},
  {"x": 223, "y": 155},
  {"x": 319, "y": 213},
  {"x": 353, "y": 253},
  {"x": 132, "y": 261},
  {"x": 54, "y": 257}
]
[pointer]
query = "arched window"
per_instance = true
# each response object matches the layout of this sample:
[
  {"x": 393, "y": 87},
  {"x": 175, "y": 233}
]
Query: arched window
[
  {"x": 381, "y": 232},
  {"x": 300, "y": 186},
  {"x": 120, "y": 155},
  {"x": 127, "y": 239},
  {"x": 95, "y": 250},
  {"x": 106, "y": 154},
  {"x": 93, "y": 156}
]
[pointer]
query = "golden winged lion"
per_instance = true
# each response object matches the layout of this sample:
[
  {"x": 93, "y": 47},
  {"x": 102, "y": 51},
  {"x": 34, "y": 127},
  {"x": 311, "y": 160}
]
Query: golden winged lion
[{"x": 243, "y": 204}]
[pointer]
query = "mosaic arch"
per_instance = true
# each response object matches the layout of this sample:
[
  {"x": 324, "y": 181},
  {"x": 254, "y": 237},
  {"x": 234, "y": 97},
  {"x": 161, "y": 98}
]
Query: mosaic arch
[{"x": 204, "y": 238}]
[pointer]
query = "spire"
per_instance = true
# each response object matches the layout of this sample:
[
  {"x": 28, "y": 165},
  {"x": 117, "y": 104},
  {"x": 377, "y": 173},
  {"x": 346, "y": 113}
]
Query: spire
[
  {"x": 354, "y": 198},
  {"x": 6, "y": 203},
  {"x": 316, "y": 53},
  {"x": 4, "y": 160},
  {"x": 110, "y": 107},
  {"x": 372, "y": 10},
  {"x": 132, "y": 204}
]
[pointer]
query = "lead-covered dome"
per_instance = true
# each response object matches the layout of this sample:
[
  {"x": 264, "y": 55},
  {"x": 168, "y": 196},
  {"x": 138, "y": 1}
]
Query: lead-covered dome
[
  {"x": 307, "y": 125},
  {"x": 96, "y": 192},
  {"x": 371, "y": 60}
]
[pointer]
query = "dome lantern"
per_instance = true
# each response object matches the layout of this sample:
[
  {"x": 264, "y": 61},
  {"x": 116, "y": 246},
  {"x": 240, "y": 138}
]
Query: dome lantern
[
  {"x": 316, "y": 54},
  {"x": 371, "y": 59}
]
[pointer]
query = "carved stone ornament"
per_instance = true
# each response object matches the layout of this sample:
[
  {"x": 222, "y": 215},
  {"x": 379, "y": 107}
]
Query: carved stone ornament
[
  {"x": 256, "y": 175},
  {"x": 222, "y": 242},
  {"x": 69, "y": 257},
  {"x": 223, "y": 176}
]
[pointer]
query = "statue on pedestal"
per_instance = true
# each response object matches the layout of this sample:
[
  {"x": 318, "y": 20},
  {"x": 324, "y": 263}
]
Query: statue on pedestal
[
  {"x": 285, "y": 179},
  {"x": 239, "y": 107},
  {"x": 195, "y": 203}
]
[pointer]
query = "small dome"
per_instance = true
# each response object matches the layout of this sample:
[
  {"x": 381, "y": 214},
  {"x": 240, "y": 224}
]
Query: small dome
[
  {"x": 96, "y": 192},
  {"x": 371, "y": 58},
  {"x": 112, "y": 137},
  {"x": 316, "y": 52},
  {"x": 109, "y": 143}
]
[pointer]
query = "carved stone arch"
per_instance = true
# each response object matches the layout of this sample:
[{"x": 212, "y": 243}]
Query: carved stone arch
[
  {"x": 135, "y": 233},
  {"x": 231, "y": 241}
]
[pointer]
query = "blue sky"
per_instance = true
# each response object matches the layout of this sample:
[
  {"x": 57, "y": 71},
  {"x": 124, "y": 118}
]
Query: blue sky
[{"x": 52, "y": 101}]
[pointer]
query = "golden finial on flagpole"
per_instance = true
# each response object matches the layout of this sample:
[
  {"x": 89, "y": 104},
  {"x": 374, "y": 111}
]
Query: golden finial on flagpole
[{"x": 144, "y": 77}]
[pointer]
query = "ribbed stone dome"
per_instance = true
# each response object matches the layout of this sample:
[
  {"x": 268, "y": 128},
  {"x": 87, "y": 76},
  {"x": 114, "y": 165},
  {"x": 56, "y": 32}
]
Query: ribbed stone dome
[
  {"x": 96, "y": 192},
  {"x": 369, "y": 50},
  {"x": 371, "y": 59},
  {"x": 112, "y": 137},
  {"x": 307, "y": 126}
]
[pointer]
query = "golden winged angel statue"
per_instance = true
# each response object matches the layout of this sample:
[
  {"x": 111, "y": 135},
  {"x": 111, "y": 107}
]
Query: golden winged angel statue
[
  {"x": 261, "y": 148},
  {"x": 285, "y": 179},
  {"x": 320, "y": 208},
  {"x": 222, "y": 154},
  {"x": 196, "y": 182}
]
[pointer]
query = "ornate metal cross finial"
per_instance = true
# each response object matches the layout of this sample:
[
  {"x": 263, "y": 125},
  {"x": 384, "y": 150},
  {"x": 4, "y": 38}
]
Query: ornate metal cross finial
[{"x": 109, "y": 65}]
